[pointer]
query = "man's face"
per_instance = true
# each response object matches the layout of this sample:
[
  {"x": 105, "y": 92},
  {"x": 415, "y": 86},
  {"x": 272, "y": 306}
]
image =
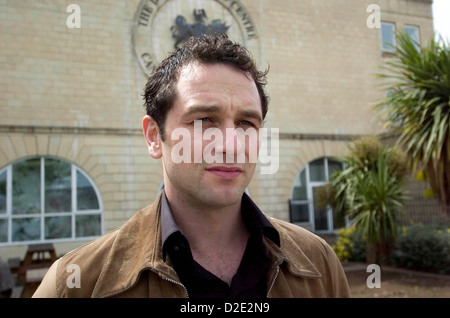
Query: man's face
[{"x": 222, "y": 99}]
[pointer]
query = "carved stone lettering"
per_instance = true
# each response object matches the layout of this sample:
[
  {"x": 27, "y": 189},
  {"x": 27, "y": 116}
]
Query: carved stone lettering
[{"x": 162, "y": 25}]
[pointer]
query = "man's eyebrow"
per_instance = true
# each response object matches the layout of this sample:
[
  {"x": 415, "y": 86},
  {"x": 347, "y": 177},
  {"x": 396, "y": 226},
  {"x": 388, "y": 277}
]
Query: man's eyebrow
[
  {"x": 203, "y": 109},
  {"x": 216, "y": 109},
  {"x": 251, "y": 114}
]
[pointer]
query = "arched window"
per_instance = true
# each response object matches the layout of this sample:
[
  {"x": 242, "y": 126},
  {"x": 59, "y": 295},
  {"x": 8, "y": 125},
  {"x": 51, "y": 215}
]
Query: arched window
[
  {"x": 46, "y": 199},
  {"x": 304, "y": 206}
]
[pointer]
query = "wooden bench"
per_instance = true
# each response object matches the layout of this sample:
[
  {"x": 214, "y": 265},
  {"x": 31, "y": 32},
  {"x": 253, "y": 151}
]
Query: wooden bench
[{"x": 37, "y": 258}]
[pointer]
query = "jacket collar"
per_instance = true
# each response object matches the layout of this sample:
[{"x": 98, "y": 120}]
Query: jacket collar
[
  {"x": 138, "y": 247},
  {"x": 290, "y": 252}
]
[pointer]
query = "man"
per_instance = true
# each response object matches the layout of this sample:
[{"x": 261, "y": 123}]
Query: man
[{"x": 203, "y": 236}]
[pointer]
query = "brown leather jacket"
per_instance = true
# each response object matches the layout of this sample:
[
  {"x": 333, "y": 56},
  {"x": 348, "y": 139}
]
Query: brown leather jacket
[{"x": 127, "y": 262}]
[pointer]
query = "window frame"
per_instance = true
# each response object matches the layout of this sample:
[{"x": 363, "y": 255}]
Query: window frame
[
  {"x": 391, "y": 50},
  {"x": 416, "y": 41},
  {"x": 43, "y": 215},
  {"x": 310, "y": 185}
]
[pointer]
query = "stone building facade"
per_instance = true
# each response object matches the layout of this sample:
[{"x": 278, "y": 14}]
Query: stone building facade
[{"x": 73, "y": 161}]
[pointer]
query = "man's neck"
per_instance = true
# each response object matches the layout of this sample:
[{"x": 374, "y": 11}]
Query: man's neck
[
  {"x": 217, "y": 235},
  {"x": 207, "y": 227}
]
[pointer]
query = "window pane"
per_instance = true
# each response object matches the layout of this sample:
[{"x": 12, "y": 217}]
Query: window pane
[
  {"x": 26, "y": 229},
  {"x": 333, "y": 166},
  {"x": 317, "y": 170},
  {"x": 387, "y": 36},
  {"x": 58, "y": 227},
  {"x": 338, "y": 220},
  {"x": 413, "y": 33},
  {"x": 3, "y": 192},
  {"x": 57, "y": 186},
  {"x": 26, "y": 186},
  {"x": 86, "y": 196},
  {"x": 320, "y": 213},
  {"x": 54, "y": 186},
  {"x": 88, "y": 225},
  {"x": 299, "y": 212},
  {"x": 300, "y": 187},
  {"x": 3, "y": 230}
]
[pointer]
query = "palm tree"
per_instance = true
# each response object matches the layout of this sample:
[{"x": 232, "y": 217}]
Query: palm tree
[
  {"x": 417, "y": 107},
  {"x": 369, "y": 191}
]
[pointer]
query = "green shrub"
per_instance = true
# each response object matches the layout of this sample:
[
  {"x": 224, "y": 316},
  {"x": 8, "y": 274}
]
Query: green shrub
[
  {"x": 359, "y": 247},
  {"x": 350, "y": 245},
  {"x": 343, "y": 245},
  {"x": 423, "y": 247}
]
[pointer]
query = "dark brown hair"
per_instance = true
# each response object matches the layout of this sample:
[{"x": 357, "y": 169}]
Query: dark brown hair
[{"x": 160, "y": 90}]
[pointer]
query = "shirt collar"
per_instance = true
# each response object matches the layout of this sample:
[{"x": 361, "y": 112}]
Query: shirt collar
[
  {"x": 168, "y": 224},
  {"x": 252, "y": 215}
]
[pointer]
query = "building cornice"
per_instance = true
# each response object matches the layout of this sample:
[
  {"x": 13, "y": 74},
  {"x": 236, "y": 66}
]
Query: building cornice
[
  {"x": 32, "y": 129},
  {"x": 24, "y": 129}
]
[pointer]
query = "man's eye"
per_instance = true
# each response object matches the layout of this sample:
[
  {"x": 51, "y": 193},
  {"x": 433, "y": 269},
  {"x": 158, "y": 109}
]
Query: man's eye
[
  {"x": 246, "y": 123},
  {"x": 204, "y": 119}
]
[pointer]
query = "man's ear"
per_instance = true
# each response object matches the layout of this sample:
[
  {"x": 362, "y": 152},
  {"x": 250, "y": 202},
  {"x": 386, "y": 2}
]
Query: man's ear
[{"x": 152, "y": 137}]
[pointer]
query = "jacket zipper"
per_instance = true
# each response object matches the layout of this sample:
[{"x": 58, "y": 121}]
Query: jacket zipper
[
  {"x": 177, "y": 283},
  {"x": 273, "y": 282}
]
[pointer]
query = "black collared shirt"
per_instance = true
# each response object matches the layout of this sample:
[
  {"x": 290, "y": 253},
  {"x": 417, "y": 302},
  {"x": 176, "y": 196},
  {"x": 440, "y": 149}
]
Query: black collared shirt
[{"x": 250, "y": 278}]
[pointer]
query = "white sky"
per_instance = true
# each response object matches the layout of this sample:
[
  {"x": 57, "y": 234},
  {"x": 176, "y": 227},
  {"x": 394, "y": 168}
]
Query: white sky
[{"x": 441, "y": 17}]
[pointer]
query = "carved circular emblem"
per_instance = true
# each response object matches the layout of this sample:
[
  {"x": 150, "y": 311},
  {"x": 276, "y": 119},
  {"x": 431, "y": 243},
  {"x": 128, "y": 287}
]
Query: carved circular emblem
[{"x": 160, "y": 26}]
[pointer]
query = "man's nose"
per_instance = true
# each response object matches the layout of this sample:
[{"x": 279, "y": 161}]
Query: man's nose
[{"x": 230, "y": 145}]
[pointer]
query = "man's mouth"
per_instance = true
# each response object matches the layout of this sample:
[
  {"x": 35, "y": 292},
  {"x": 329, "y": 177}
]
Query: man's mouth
[{"x": 226, "y": 172}]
